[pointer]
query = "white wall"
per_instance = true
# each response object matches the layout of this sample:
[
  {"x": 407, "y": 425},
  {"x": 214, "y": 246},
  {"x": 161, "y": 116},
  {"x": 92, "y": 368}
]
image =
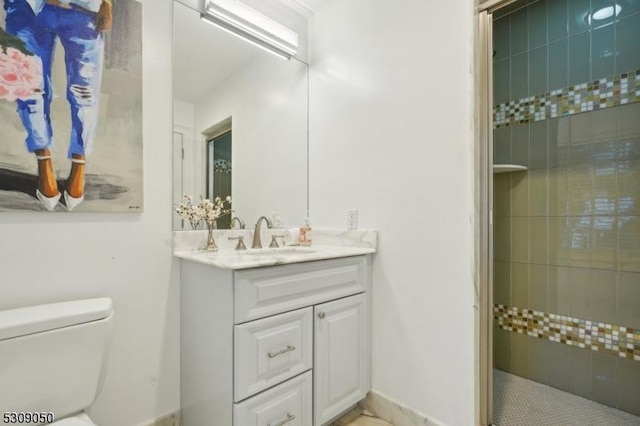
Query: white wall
[
  {"x": 184, "y": 124},
  {"x": 47, "y": 257},
  {"x": 267, "y": 101},
  {"x": 391, "y": 135}
]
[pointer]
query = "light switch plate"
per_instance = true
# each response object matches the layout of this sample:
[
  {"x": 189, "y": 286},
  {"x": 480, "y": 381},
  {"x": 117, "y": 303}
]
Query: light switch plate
[{"x": 352, "y": 219}]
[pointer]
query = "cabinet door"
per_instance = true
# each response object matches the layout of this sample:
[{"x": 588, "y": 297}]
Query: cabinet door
[{"x": 342, "y": 373}]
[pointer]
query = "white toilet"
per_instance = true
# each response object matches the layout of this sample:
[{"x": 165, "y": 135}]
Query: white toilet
[{"x": 52, "y": 359}]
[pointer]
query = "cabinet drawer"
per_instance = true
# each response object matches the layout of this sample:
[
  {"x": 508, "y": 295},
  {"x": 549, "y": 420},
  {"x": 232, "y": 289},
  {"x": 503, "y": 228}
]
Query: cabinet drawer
[
  {"x": 272, "y": 290},
  {"x": 288, "y": 404},
  {"x": 271, "y": 350}
]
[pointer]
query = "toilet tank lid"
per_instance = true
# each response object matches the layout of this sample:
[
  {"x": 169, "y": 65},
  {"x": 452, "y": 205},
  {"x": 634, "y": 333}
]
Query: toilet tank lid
[{"x": 35, "y": 319}]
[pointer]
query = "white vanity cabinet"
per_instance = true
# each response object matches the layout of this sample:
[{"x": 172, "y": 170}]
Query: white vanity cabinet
[{"x": 285, "y": 345}]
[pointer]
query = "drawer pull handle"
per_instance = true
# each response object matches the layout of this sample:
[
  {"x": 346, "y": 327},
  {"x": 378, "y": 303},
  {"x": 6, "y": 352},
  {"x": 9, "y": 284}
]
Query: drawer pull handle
[
  {"x": 289, "y": 418},
  {"x": 321, "y": 315},
  {"x": 289, "y": 348}
]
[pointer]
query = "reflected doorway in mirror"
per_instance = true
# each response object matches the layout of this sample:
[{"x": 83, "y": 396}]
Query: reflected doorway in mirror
[{"x": 219, "y": 171}]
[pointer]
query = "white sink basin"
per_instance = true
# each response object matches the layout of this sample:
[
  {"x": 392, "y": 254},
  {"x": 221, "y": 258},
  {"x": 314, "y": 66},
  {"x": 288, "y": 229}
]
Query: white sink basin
[
  {"x": 258, "y": 253},
  {"x": 276, "y": 251}
]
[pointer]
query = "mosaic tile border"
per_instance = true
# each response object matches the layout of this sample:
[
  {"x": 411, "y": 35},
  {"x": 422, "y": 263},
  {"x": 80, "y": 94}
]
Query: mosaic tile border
[
  {"x": 608, "y": 92},
  {"x": 597, "y": 336}
]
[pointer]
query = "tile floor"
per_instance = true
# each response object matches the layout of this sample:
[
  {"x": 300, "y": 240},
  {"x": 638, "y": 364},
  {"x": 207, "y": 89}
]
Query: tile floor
[
  {"x": 367, "y": 421},
  {"x": 521, "y": 402},
  {"x": 360, "y": 418}
]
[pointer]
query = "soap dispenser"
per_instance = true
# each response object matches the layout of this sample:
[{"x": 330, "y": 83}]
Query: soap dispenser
[{"x": 305, "y": 233}]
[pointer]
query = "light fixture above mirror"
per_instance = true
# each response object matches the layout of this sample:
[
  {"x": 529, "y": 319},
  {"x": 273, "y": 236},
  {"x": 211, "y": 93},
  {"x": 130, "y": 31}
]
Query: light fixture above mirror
[{"x": 249, "y": 24}]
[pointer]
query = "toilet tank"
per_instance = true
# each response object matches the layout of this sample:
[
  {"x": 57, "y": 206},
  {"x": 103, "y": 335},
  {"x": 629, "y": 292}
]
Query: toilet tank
[{"x": 52, "y": 356}]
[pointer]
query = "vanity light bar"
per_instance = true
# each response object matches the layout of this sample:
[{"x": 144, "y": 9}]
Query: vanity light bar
[{"x": 249, "y": 24}]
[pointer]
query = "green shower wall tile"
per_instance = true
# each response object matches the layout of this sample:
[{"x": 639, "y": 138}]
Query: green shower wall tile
[
  {"x": 538, "y": 193},
  {"x": 538, "y": 240},
  {"x": 501, "y": 349},
  {"x": 602, "y": 52},
  {"x": 627, "y": 36},
  {"x": 558, "y": 366},
  {"x": 604, "y": 297},
  {"x": 538, "y": 145},
  {"x": 538, "y": 24},
  {"x": 579, "y": 59},
  {"x": 538, "y": 360},
  {"x": 519, "y": 354},
  {"x": 629, "y": 386},
  {"x": 538, "y": 70},
  {"x": 557, "y": 19},
  {"x": 502, "y": 283},
  {"x": 629, "y": 295},
  {"x": 538, "y": 287},
  {"x": 628, "y": 244},
  {"x": 519, "y": 284},
  {"x": 519, "y": 31},
  {"x": 578, "y": 11},
  {"x": 580, "y": 372},
  {"x": 520, "y": 239},
  {"x": 604, "y": 382},
  {"x": 501, "y": 39}
]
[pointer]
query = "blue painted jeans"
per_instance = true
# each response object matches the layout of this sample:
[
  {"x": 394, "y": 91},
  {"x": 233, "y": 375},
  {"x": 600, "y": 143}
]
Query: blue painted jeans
[{"x": 84, "y": 54}]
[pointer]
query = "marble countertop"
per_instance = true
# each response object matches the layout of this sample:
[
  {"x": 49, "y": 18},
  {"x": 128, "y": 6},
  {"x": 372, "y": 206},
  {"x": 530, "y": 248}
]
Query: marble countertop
[
  {"x": 255, "y": 258},
  {"x": 327, "y": 244}
]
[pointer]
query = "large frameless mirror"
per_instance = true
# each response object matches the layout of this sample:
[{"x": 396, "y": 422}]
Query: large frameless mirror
[{"x": 240, "y": 122}]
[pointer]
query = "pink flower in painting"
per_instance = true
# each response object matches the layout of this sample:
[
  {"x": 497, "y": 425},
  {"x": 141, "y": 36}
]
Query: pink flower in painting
[{"x": 20, "y": 75}]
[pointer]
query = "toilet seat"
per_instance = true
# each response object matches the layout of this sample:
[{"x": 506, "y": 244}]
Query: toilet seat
[{"x": 79, "y": 420}]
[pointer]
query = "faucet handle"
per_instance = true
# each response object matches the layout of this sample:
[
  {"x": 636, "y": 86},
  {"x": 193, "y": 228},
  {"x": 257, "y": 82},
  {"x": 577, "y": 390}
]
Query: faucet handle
[
  {"x": 274, "y": 241},
  {"x": 240, "y": 245}
]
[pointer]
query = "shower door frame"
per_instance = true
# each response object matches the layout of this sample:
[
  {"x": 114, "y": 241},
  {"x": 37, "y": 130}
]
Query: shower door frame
[{"x": 484, "y": 169}]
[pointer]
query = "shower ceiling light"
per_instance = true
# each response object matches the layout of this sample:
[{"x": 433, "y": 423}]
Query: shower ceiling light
[
  {"x": 605, "y": 13},
  {"x": 249, "y": 24}
]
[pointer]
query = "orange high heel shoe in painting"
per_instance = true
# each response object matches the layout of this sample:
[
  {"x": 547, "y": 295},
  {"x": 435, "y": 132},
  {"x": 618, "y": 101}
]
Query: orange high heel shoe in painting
[
  {"x": 46, "y": 182},
  {"x": 75, "y": 184}
]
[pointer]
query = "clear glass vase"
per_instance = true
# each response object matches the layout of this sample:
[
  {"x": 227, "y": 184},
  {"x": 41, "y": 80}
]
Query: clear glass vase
[{"x": 211, "y": 243}]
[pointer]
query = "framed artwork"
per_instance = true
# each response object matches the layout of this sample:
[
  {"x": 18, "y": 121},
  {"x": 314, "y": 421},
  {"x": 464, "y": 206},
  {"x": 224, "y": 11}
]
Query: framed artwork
[{"x": 71, "y": 106}]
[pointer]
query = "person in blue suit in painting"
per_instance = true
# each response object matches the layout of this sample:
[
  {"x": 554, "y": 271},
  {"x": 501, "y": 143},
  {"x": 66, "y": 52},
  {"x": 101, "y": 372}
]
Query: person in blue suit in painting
[{"x": 79, "y": 25}]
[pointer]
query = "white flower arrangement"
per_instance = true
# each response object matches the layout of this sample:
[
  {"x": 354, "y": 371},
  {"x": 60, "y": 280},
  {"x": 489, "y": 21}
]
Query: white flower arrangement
[
  {"x": 213, "y": 210},
  {"x": 189, "y": 212},
  {"x": 206, "y": 210}
]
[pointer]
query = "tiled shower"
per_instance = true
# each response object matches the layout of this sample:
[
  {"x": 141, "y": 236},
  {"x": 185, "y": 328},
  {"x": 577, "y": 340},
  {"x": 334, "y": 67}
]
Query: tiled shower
[{"x": 567, "y": 230}]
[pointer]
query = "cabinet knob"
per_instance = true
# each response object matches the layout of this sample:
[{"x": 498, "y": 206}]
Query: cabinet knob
[{"x": 321, "y": 315}]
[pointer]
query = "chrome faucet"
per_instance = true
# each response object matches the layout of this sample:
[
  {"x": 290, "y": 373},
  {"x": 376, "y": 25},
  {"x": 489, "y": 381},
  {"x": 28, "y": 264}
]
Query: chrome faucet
[
  {"x": 256, "y": 232},
  {"x": 236, "y": 219}
]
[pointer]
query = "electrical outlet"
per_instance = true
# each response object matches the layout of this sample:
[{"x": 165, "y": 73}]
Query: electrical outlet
[{"x": 352, "y": 219}]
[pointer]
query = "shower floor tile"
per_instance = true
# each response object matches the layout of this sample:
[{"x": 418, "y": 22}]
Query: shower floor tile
[{"x": 522, "y": 402}]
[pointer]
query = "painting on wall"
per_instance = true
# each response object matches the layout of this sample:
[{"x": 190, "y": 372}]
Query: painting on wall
[{"x": 71, "y": 106}]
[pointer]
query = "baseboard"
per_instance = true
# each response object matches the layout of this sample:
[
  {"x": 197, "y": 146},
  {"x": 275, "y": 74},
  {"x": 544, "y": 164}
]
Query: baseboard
[
  {"x": 394, "y": 412},
  {"x": 172, "y": 419}
]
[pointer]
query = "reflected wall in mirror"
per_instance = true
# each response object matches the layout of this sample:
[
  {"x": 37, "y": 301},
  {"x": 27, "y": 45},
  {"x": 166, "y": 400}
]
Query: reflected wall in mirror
[{"x": 240, "y": 122}]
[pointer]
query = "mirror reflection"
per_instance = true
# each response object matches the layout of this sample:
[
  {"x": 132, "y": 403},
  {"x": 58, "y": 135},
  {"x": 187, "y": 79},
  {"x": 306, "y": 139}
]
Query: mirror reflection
[{"x": 240, "y": 124}]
